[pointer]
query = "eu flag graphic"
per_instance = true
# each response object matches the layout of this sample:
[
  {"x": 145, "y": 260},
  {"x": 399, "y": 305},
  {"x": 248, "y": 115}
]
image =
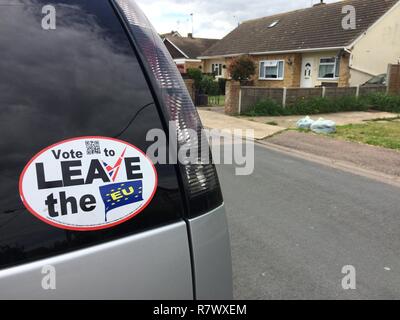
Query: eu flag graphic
[{"x": 121, "y": 194}]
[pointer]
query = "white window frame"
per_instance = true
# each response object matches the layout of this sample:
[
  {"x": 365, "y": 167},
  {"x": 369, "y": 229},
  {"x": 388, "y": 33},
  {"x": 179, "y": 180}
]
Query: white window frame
[
  {"x": 335, "y": 78},
  {"x": 219, "y": 65},
  {"x": 277, "y": 66}
]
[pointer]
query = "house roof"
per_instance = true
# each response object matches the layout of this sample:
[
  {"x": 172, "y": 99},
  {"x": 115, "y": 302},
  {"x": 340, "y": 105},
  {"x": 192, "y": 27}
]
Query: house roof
[
  {"x": 315, "y": 27},
  {"x": 170, "y": 34},
  {"x": 191, "y": 47}
]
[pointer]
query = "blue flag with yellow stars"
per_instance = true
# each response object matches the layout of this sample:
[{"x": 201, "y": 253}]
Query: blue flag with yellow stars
[{"x": 121, "y": 194}]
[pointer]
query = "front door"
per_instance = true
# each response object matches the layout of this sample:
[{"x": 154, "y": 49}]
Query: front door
[{"x": 307, "y": 73}]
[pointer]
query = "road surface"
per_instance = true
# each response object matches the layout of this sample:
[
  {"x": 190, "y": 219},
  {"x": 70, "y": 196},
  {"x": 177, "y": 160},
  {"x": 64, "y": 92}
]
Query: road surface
[{"x": 295, "y": 224}]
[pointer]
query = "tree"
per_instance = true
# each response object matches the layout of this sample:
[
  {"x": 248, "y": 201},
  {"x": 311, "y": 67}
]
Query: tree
[{"x": 242, "y": 68}]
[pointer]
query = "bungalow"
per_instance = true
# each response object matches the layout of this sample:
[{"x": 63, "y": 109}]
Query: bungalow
[
  {"x": 315, "y": 46},
  {"x": 185, "y": 50}
]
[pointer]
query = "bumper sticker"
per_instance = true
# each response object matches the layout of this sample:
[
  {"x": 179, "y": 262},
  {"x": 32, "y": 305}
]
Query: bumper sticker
[{"x": 88, "y": 183}]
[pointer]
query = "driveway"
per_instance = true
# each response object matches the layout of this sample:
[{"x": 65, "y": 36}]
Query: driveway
[
  {"x": 294, "y": 224},
  {"x": 222, "y": 122}
]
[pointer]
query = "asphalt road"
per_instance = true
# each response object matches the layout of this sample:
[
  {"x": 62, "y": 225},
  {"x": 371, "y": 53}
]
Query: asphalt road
[{"x": 294, "y": 224}]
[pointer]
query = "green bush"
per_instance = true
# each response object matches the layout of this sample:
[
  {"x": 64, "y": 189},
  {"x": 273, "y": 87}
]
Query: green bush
[
  {"x": 378, "y": 101},
  {"x": 209, "y": 86},
  {"x": 382, "y": 102},
  {"x": 267, "y": 108},
  {"x": 204, "y": 83},
  {"x": 196, "y": 75},
  {"x": 242, "y": 68},
  {"x": 326, "y": 105}
]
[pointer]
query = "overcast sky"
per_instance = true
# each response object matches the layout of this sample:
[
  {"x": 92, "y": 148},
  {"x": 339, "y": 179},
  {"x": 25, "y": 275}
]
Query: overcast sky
[{"x": 213, "y": 18}]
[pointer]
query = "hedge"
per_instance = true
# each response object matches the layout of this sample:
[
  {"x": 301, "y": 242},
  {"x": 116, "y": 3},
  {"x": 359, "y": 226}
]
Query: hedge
[{"x": 377, "y": 101}]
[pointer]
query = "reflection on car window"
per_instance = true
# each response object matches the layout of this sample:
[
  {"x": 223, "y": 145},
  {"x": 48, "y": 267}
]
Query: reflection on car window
[{"x": 78, "y": 80}]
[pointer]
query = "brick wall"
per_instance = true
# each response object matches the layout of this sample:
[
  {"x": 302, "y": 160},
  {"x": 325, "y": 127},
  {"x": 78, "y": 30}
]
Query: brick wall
[
  {"x": 241, "y": 99},
  {"x": 296, "y": 69},
  {"x": 292, "y": 71},
  {"x": 190, "y": 86},
  {"x": 394, "y": 79},
  {"x": 207, "y": 66},
  {"x": 192, "y": 65},
  {"x": 232, "y": 97},
  {"x": 344, "y": 71}
]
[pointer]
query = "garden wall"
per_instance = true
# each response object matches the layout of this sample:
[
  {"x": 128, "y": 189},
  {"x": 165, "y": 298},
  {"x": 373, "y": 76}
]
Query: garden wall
[
  {"x": 240, "y": 99},
  {"x": 190, "y": 86},
  {"x": 249, "y": 96}
]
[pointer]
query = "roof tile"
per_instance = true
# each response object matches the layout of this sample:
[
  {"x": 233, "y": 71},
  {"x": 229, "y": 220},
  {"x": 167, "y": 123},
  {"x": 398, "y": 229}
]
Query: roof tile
[
  {"x": 316, "y": 27},
  {"x": 192, "y": 47}
]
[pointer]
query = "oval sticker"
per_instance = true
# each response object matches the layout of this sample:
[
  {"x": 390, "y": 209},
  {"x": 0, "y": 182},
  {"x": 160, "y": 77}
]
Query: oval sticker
[{"x": 88, "y": 183}]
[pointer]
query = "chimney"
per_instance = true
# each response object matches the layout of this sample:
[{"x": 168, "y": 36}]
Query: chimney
[{"x": 320, "y": 3}]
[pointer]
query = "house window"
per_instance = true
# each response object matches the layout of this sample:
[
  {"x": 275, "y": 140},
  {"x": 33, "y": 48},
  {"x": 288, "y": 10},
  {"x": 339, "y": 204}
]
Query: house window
[
  {"x": 272, "y": 69},
  {"x": 329, "y": 68},
  {"x": 216, "y": 68}
]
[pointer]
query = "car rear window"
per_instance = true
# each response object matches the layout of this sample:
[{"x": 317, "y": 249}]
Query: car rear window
[{"x": 80, "y": 79}]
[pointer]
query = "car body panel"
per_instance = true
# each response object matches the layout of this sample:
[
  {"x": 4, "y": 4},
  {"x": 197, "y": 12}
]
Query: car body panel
[
  {"x": 163, "y": 253},
  {"x": 212, "y": 256},
  {"x": 151, "y": 265}
]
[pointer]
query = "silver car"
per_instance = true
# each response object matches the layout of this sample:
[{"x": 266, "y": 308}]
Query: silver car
[{"x": 88, "y": 74}]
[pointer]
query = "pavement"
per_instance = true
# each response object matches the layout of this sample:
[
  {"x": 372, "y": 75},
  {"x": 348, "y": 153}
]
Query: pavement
[
  {"x": 295, "y": 224},
  {"x": 214, "y": 118},
  {"x": 219, "y": 121},
  {"x": 341, "y": 118}
]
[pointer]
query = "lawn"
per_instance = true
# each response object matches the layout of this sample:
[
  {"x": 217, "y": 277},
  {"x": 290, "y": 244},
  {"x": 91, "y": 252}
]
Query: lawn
[
  {"x": 378, "y": 133},
  {"x": 216, "y": 100}
]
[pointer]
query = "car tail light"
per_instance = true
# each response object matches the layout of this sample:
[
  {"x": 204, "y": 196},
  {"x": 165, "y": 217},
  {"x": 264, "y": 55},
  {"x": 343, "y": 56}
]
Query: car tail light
[{"x": 201, "y": 180}]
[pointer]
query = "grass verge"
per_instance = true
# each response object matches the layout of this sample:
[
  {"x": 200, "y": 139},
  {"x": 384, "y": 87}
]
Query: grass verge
[{"x": 377, "y": 133}]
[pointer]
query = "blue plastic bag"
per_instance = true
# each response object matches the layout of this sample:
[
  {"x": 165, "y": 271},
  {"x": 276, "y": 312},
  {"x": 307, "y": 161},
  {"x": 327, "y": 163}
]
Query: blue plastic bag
[
  {"x": 305, "y": 123},
  {"x": 323, "y": 126}
]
